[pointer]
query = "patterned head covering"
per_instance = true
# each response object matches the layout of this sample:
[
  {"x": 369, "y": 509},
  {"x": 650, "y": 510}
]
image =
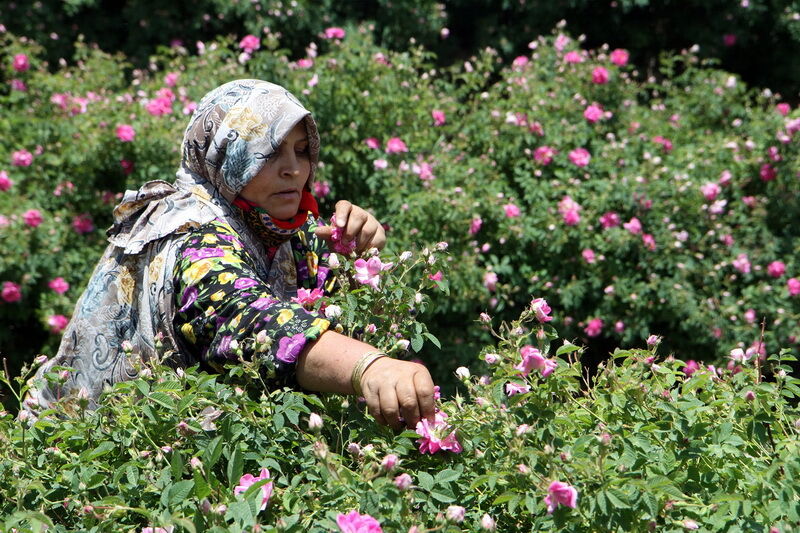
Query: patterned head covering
[{"x": 238, "y": 127}]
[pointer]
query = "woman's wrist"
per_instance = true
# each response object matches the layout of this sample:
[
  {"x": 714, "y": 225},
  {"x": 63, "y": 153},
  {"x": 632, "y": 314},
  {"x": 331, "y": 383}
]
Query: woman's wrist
[{"x": 361, "y": 366}]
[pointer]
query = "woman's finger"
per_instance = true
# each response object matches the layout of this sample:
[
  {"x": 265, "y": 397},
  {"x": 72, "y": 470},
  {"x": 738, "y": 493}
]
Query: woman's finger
[
  {"x": 407, "y": 398},
  {"x": 379, "y": 239},
  {"x": 342, "y": 213},
  {"x": 423, "y": 385},
  {"x": 374, "y": 408},
  {"x": 355, "y": 222},
  {"x": 367, "y": 237},
  {"x": 389, "y": 408}
]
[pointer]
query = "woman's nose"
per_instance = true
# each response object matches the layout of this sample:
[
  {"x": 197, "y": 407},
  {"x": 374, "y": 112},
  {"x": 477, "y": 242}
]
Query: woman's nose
[{"x": 290, "y": 167}]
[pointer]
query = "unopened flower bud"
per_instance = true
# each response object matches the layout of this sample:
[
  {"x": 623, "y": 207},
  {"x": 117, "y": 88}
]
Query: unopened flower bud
[
  {"x": 455, "y": 513},
  {"x": 196, "y": 463},
  {"x": 333, "y": 261},
  {"x": 320, "y": 450},
  {"x": 462, "y": 373},
  {"x": 487, "y": 523},
  {"x": 389, "y": 462},
  {"x": 314, "y": 422},
  {"x": 40, "y": 359},
  {"x": 749, "y": 396},
  {"x": 491, "y": 358},
  {"x": 403, "y": 481}
]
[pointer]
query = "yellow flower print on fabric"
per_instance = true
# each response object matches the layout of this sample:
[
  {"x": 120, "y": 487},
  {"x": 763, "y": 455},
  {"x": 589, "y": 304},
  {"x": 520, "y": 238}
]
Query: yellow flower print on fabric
[
  {"x": 217, "y": 296},
  {"x": 284, "y": 316},
  {"x": 226, "y": 277},
  {"x": 235, "y": 322},
  {"x": 195, "y": 273},
  {"x": 246, "y": 122},
  {"x": 125, "y": 285},
  {"x": 188, "y": 332},
  {"x": 209, "y": 238},
  {"x": 313, "y": 262}
]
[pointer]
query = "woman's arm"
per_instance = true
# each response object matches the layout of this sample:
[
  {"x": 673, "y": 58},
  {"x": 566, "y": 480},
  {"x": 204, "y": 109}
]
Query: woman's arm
[{"x": 392, "y": 388}]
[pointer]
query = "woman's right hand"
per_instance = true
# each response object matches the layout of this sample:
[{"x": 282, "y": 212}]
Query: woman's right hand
[{"x": 398, "y": 391}]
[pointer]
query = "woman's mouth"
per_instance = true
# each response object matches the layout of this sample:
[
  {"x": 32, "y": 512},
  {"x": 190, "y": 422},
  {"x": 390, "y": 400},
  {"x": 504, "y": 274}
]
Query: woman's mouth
[{"x": 288, "y": 194}]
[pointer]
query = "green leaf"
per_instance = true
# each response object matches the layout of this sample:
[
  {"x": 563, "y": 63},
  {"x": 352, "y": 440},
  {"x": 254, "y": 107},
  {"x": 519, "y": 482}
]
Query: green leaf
[
  {"x": 201, "y": 486},
  {"x": 235, "y": 467},
  {"x": 433, "y": 339},
  {"x": 102, "y": 449},
  {"x": 447, "y": 475},
  {"x": 567, "y": 348},
  {"x": 163, "y": 399},
  {"x": 179, "y": 491},
  {"x": 425, "y": 480},
  {"x": 213, "y": 452},
  {"x": 417, "y": 342}
]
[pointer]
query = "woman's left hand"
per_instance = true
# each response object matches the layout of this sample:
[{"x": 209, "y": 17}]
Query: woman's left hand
[{"x": 358, "y": 225}]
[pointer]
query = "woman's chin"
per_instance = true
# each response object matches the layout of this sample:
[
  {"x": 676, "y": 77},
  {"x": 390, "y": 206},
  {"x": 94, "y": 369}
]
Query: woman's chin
[{"x": 283, "y": 213}]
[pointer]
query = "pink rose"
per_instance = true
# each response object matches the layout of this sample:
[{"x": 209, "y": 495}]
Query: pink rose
[
  {"x": 710, "y": 190},
  {"x": 321, "y": 189},
  {"x": 475, "y": 225},
  {"x": 559, "y": 493},
  {"x": 541, "y": 310},
  {"x": 436, "y": 277},
  {"x": 57, "y": 323},
  {"x": 127, "y": 166},
  {"x": 691, "y": 367},
  {"x": 490, "y": 280},
  {"x": 354, "y": 522},
  {"x": 610, "y": 219},
  {"x": 32, "y": 217},
  {"x": 159, "y": 106},
  {"x": 368, "y": 272},
  {"x": 573, "y": 57},
  {"x": 395, "y": 145},
  {"x": 249, "y": 43},
  {"x": 437, "y": 436},
  {"x": 21, "y": 63},
  {"x": 11, "y": 292},
  {"x": 82, "y": 224},
  {"x": 783, "y": 108},
  {"x": 619, "y": 57},
  {"x": 372, "y": 142},
  {"x": 5, "y": 181},
  {"x": 403, "y": 481},
  {"x": 633, "y": 226},
  {"x": 511, "y": 210},
  {"x": 594, "y": 327},
  {"x": 334, "y": 33},
  {"x": 512, "y": 389},
  {"x": 18, "y": 85},
  {"x": 247, "y": 480},
  {"x": 307, "y": 298},
  {"x": 580, "y": 157},
  {"x": 592, "y": 114},
  {"x": 59, "y": 285},
  {"x": 171, "y": 79},
  {"x": 600, "y": 75},
  {"x": 438, "y": 117},
  {"x": 729, "y": 39},
  {"x": 544, "y": 155},
  {"x": 588, "y": 256},
  {"x": 125, "y": 133},
  {"x": 776, "y": 269},
  {"x": 742, "y": 263},
  {"x": 519, "y": 62},
  {"x": 649, "y": 241},
  {"x": 571, "y": 217},
  {"x": 792, "y": 284},
  {"x": 305, "y": 63},
  {"x": 767, "y": 172},
  {"x": 21, "y": 158},
  {"x": 665, "y": 143},
  {"x": 532, "y": 359}
]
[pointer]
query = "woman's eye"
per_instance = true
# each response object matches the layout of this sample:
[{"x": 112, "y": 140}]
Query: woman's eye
[{"x": 303, "y": 151}]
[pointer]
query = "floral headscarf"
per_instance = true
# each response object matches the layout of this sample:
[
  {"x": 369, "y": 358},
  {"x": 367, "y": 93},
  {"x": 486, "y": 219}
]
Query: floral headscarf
[{"x": 236, "y": 128}]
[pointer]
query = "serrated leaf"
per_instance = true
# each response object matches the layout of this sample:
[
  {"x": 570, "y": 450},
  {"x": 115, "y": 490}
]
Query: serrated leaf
[
  {"x": 505, "y": 497},
  {"x": 201, "y": 486},
  {"x": 447, "y": 475},
  {"x": 417, "y": 342},
  {"x": 235, "y": 467},
  {"x": 433, "y": 339},
  {"x": 567, "y": 348},
  {"x": 179, "y": 491},
  {"x": 213, "y": 452},
  {"x": 426, "y": 480},
  {"x": 163, "y": 399},
  {"x": 101, "y": 449}
]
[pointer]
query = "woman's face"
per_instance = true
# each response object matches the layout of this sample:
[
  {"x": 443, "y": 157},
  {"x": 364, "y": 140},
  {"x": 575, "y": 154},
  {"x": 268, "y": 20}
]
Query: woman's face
[{"x": 277, "y": 186}]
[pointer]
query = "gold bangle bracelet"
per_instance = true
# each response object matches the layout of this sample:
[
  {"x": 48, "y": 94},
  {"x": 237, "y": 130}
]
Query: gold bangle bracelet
[{"x": 361, "y": 366}]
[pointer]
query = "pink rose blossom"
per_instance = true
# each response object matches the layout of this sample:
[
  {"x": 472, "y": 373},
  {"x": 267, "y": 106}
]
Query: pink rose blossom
[
  {"x": 334, "y": 33},
  {"x": 168, "y": 529},
  {"x": 541, "y": 310},
  {"x": 742, "y": 263},
  {"x": 511, "y": 210},
  {"x": 609, "y": 219},
  {"x": 307, "y": 298},
  {"x": 588, "y": 256},
  {"x": 594, "y": 327},
  {"x": 5, "y": 181},
  {"x": 18, "y": 85},
  {"x": 339, "y": 244},
  {"x": 82, "y": 224},
  {"x": 373, "y": 143},
  {"x": 21, "y": 63},
  {"x": 619, "y": 57},
  {"x": 774, "y": 154},
  {"x": 487, "y": 523},
  {"x": 593, "y": 113},
  {"x": 729, "y": 39},
  {"x": 395, "y": 145},
  {"x": 544, "y": 155},
  {"x": 571, "y": 217},
  {"x": 32, "y": 217},
  {"x": 59, "y": 285},
  {"x": 776, "y": 269},
  {"x": 580, "y": 157},
  {"x": 159, "y": 106},
  {"x": 11, "y": 292},
  {"x": 792, "y": 284},
  {"x": 455, "y": 513},
  {"x": 490, "y": 280},
  {"x": 305, "y": 63},
  {"x": 519, "y": 62},
  {"x": 475, "y": 225},
  {"x": 125, "y": 133},
  {"x": 368, "y": 272},
  {"x": 767, "y": 172},
  {"x": 649, "y": 241},
  {"x": 403, "y": 481},
  {"x": 436, "y": 277},
  {"x": 652, "y": 340},
  {"x": 710, "y": 190},
  {"x": 559, "y": 493},
  {"x": 573, "y": 57},
  {"x": 512, "y": 389},
  {"x": 437, "y": 436},
  {"x": 250, "y": 43},
  {"x": 619, "y": 326},
  {"x": 424, "y": 171},
  {"x": 532, "y": 359},
  {"x": 691, "y": 367},
  {"x": 321, "y": 189},
  {"x": 389, "y": 462},
  {"x": 21, "y": 158},
  {"x": 57, "y": 323},
  {"x": 438, "y": 117},
  {"x": 633, "y": 226},
  {"x": 665, "y": 143},
  {"x": 600, "y": 75},
  {"x": 380, "y": 164},
  {"x": 783, "y": 108},
  {"x": 247, "y": 480},
  {"x": 171, "y": 79}
]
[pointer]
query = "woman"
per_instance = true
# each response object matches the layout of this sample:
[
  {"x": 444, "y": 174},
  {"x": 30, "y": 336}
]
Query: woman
[{"x": 205, "y": 270}]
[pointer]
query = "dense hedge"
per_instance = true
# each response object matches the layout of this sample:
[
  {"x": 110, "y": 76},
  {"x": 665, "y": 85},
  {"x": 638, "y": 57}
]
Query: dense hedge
[{"x": 636, "y": 207}]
